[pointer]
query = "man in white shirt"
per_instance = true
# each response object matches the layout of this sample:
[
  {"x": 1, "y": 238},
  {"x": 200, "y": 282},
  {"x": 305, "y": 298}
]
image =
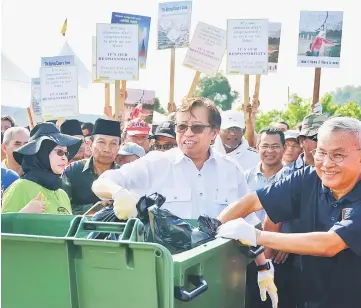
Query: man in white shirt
[
  {"x": 231, "y": 142},
  {"x": 194, "y": 179}
]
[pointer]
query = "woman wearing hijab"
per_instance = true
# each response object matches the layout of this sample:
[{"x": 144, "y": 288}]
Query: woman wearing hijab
[{"x": 43, "y": 161}]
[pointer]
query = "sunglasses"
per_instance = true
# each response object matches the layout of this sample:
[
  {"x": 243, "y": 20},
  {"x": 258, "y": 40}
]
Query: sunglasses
[
  {"x": 165, "y": 147},
  {"x": 196, "y": 128},
  {"x": 60, "y": 152}
]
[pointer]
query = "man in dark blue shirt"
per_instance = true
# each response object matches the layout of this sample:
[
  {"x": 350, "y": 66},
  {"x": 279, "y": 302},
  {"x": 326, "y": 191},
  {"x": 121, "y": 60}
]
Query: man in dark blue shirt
[{"x": 327, "y": 200}]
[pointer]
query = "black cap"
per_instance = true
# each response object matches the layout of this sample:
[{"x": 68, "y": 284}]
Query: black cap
[
  {"x": 166, "y": 129},
  {"x": 52, "y": 121},
  {"x": 71, "y": 128},
  {"x": 106, "y": 127}
]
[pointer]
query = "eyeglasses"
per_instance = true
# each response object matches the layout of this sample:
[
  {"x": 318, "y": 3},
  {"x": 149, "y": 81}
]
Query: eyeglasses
[
  {"x": 335, "y": 156},
  {"x": 234, "y": 130},
  {"x": 272, "y": 147},
  {"x": 196, "y": 128},
  {"x": 60, "y": 152},
  {"x": 165, "y": 147}
]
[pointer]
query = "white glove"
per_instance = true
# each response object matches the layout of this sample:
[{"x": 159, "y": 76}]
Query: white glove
[
  {"x": 239, "y": 229},
  {"x": 266, "y": 285},
  {"x": 125, "y": 204}
]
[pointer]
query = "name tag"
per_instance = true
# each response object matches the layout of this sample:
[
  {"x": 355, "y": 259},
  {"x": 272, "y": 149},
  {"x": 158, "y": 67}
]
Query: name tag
[{"x": 346, "y": 213}]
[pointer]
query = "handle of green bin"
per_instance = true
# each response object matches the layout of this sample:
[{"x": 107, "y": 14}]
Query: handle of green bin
[
  {"x": 201, "y": 286},
  {"x": 132, "y": 230},
  {"x": 253, "y": 252}
]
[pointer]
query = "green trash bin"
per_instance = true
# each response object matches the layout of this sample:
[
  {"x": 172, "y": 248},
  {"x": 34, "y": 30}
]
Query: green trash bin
[
  {"x": 48, "y": 261},
  {"x": 129, "y": 273},
  {"x": 35, "y": 263}
]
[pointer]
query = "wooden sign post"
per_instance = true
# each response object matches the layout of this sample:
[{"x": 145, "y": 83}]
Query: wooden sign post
[
  {"x": 316, "y": 87},
  {"x": 246, "y": 90},
  {"x": 192, "y": 89},
  {"x": 107, "y": 94},
  {"x": 171, "y": 105},
  {"x": 30, "y": 118},
  {"x": 257, "y": 87}
]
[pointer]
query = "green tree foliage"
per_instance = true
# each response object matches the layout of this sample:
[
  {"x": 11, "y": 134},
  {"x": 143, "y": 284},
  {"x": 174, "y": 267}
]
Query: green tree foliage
[
  {"x": 158, "y": 107},
  {"x": 347, "y": 94},
  {"x": 298, "y": 108},
  {"x": 218, "y": 89}
]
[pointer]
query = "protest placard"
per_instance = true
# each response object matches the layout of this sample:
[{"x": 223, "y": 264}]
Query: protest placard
[
  {"x": 94, "y": 63},
  {"x": 319, "y": 39},
  {"x": 35, "y": 96},
  {"x": 247, "y": 46},
  {"x": 174, "y": 22},
  {"x": 59, "y": 92},
  {"x": 139, "y": 104},
  {"x": 57, "y": 61},
  {"x": 274, "y": 39},
  {"x": 144, "y": 29},
  {"x": 117, "y": 52},
  {"x": 206, "y": 49}
]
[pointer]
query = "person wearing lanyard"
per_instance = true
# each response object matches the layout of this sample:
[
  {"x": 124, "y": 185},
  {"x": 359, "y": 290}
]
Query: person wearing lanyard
[
  {"x": 194, "y": 179},
  {"x": 327, "y": 200}
]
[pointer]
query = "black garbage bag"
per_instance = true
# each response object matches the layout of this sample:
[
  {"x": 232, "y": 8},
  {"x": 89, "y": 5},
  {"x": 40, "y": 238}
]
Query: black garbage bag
[
  {"x": 176, "y": 234},
  {"x": 107, "y": 215}
]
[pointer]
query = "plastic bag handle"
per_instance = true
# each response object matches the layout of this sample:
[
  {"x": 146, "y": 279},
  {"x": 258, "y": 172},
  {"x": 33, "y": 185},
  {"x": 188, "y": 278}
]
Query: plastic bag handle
[{"x": 201, "y": 286}]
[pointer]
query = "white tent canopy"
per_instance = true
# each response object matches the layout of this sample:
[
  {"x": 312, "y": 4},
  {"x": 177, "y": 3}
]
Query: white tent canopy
[{"x": 84, "y": 75}]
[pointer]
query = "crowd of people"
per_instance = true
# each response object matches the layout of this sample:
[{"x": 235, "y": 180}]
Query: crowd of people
[{"x": 303, "y": 185}]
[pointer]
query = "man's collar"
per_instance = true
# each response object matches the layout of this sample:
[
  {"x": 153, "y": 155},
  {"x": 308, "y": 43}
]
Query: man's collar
[
  {"x": 179, "y": 155},
  {"x": 353, "y": 195},
  {"x": 89, "y": 164},
  {"x": 258, "y": 168}
]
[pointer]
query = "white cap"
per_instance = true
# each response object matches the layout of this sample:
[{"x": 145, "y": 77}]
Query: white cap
[
  {"x": 232, "y": 118},
  {"x": 291, "y": 134}
]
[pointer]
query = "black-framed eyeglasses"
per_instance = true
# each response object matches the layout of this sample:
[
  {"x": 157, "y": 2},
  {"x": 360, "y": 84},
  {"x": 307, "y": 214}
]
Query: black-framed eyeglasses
[
  {"x": 335, "y": 156},
  {"x": 196, "y": 128},
  {"x": 61, "y": 152},
  {"x": 164, "y": 147}
]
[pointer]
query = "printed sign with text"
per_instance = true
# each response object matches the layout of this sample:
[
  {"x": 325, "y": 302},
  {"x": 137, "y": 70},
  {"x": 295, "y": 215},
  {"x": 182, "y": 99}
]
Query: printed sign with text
[
  {"x": 319, "y": 39},
  {"x": 206, "y": 49},
  {"x": 144, "y": 29},
  {"x": 59, "y": 92},
  {"x": 57, "y": 61},
  {"x": 174, "y": 23},
  {"x": 117, "y": 52},
  {"x": 274, "y": 39},
  {"x": 247, "y": 46},
  {"x": 35, "y": 96}
]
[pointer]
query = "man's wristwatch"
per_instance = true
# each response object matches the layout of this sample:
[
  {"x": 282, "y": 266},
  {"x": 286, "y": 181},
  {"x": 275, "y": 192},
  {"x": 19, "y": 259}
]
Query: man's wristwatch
[{"x": 264, "y": 267}]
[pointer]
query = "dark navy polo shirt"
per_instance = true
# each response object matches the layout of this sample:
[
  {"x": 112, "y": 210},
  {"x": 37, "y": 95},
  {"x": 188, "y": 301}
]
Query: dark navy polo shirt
[{"x": 326, "y": 282}]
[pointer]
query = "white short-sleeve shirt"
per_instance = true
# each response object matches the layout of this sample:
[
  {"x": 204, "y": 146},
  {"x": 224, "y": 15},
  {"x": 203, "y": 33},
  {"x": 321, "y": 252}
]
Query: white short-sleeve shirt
[{"x": 189, "y": 192}]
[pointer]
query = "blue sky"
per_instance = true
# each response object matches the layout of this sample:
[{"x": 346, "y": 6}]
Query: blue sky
[{"x": 30, "y": 30}]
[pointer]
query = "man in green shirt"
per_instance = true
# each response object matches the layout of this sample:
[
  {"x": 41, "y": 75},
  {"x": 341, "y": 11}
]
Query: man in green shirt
[{"x": 79, "y": 176}]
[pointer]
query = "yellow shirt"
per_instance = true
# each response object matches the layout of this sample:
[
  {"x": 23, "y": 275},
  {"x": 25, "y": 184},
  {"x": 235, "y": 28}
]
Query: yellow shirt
[{"x": 21, "y": 192}]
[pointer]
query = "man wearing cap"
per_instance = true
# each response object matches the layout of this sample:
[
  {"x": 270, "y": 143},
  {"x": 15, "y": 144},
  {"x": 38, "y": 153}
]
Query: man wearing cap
[
  {"x": 293, "y": 149},
  {"x": 137, "y": 131},
  {"x": 73, "y": 128},
  {"x": 231, "y": 141},
  {"x": 79, "y": 176},
  {"x": 308, "y": 140},
  {"x": 165, "y": 137},
  {"x": 128, "y": 153}
]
